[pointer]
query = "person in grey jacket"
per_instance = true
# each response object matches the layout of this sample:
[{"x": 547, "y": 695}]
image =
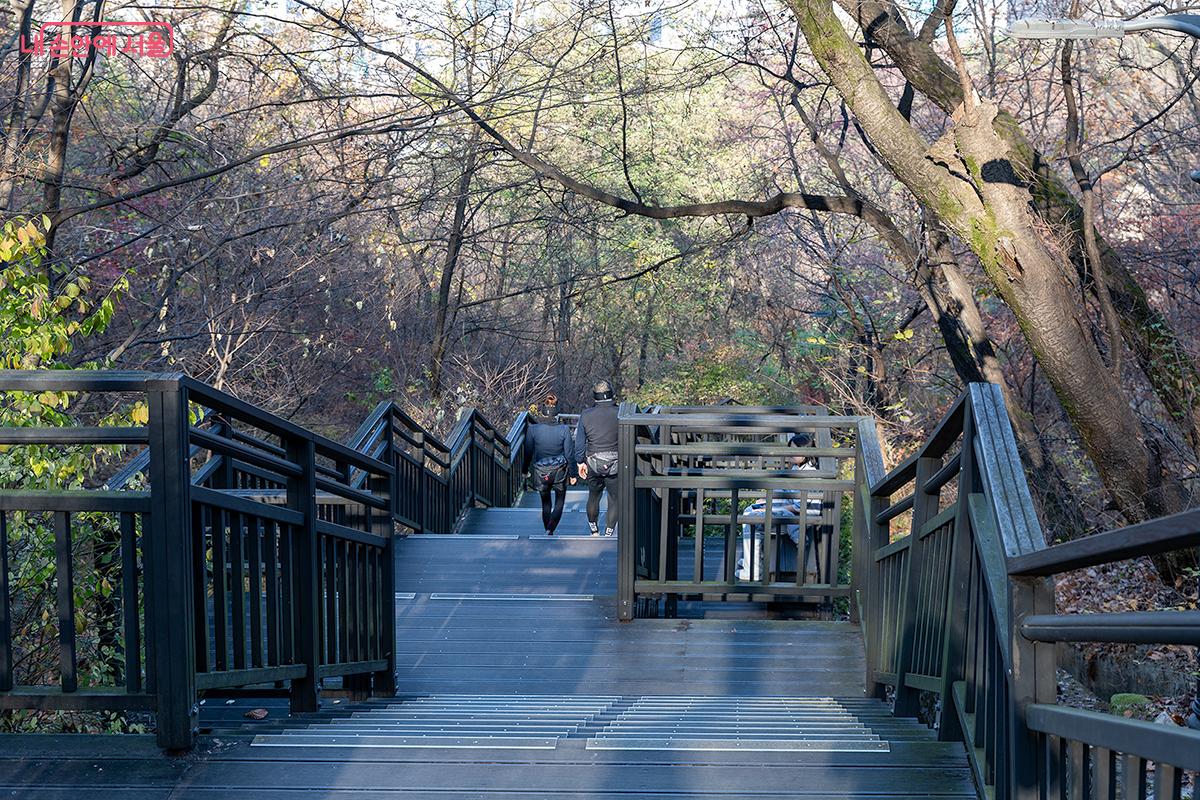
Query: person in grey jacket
[
  {"x": 596, "y": 454},
  {"x": 551, "y": 454}
]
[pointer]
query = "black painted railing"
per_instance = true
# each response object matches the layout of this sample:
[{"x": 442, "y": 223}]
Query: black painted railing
[
  {"x": 956, "y": 600},
  {"x": 239, "y": 549},
  {"x": 436, "y": 481},
  {"x": 687, "y": 479}
]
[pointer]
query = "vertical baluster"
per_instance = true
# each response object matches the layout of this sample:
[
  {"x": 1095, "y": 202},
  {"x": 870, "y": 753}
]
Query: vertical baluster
[
  {"x": 65, "y": 579},
  {"x": 378, "y": 607},
  {"x": 381, "y": 592},
  {"x": 271, "y": 532},
  {"x": 237, "y": 590},
  {"x": 663, "y": 571},
  {"x": 768, "y": 542},
  {"x": 1133, "y": 778},
  {"x": 1105, "y": 782},
  {"x": 937, "y": 641},
  {"x": 1168, "y": 782},
  {"x": 332, "y": 630},
  {"x": 220, "y": 579},
  {"x": 287, "y": 589},
  {"x": 928, "y": 614},
  {"x": 937, "y": 602},
  {"x": 363, "y": 598},
  {"x": 304, "y": 571},
  {"x": 254, "y": 566},
  {"x": 971, "y": 637},
  {"x": 6, "y": 659},
  {"x": 1050, "y": 755},
  {"x": 979, "y": 704},
  {"x": 1080, "y": 782},
  {"x": 926, "y": 606},
  {"x": 1003, "y": 760},
  {"x": 349, "y": 602},
  {"x": 1062, "y": 766},
  {"x": 129, "y": 603},
  {"x": 199, "y": 584},
  {"x": 732, "y": 532},
  {"x": 371, "y": 596},
  {"x": 698, "y": 553},
  {"x": 887, "y": 624},
  {"x": 986, "y": 707}
]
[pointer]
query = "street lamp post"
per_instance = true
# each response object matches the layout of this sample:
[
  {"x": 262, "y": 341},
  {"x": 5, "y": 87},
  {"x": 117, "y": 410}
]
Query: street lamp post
[{"x": 1081, "y": 29}]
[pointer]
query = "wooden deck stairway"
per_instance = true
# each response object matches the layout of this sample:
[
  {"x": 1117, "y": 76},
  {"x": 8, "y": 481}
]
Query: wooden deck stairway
[
  {"x": 518, "y": 682},
  {"x": 255, "y": 564}
]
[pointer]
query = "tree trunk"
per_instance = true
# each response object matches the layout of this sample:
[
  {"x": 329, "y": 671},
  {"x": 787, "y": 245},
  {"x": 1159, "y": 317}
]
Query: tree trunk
[
  {"x": 967, "y": 180},
  {"x": 14, "y": 130},
  {"x": 1148, "y": 334},
  {"x": 442, "y": 321}
]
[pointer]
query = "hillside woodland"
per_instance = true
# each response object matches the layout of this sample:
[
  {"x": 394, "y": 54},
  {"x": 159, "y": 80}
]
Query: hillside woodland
[{"x": 857, "y": 203}]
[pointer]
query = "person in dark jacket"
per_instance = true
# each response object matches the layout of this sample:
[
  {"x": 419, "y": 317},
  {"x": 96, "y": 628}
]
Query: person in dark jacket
[
  {"x": 596, "y": 454},
  {"x": 550, "y": 454}
]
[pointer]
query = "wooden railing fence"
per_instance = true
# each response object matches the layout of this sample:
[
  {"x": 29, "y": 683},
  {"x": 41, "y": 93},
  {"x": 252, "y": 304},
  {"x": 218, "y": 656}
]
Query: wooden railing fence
[
  {"x": 245, "y": 550},
  {"x": 951, "y": 582},
  {"x": 687, "y": 477},
  {"x": 960, "y": 604}
]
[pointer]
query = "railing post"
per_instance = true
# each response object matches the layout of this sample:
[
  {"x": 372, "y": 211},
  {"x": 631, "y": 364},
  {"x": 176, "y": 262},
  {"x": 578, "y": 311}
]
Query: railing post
[
  {"x": 384, "y": 681},
  {"x": 908, "y": 699},
  {"x": 1034, "y": 680},
  {"x": 305, "y": 692},
  {"x": 875, "y": 537},
  {"x": 393, "y": 458},
  {"x": 962, "y": 556},
  {"x": 627, "y": 529},
  {"x": 170, "y": 612},
  {"x": 862, "y": 557}
]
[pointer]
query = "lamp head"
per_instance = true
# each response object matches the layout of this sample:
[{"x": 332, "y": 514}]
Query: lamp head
[{"x": 1036, "y": 28}]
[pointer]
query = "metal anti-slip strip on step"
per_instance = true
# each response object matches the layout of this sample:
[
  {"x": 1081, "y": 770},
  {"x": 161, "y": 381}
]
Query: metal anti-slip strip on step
[
  {"x": 462, "y": 537},
  {"x": 515, "y": 722},
  {"x": 748, "y": 745},
  {"x": 451, "y": 742},
  {"x": 513, "y": 597},
  {"x": 737, "y": 724}
]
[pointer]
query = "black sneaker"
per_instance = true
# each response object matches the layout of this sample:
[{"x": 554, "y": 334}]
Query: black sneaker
[{"x": 608, "y": 531}]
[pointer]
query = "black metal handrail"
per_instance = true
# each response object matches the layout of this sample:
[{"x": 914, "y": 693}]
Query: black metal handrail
[
  {"x": 436, "y": 482},
  {"x": 261, "y": 553},
  {"x": 957, "y": 600}
]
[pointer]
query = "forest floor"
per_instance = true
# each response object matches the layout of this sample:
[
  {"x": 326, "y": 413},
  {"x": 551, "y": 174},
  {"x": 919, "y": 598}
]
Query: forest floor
[{"x": 1165, "y": 674}]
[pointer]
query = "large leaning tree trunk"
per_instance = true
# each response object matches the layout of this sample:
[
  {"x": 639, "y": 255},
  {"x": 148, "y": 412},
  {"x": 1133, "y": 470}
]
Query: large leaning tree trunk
[
  {"x": 950, "y": 300},
  {"x": 967, "y": 179},
  {"x": 1156, "y": 348}
]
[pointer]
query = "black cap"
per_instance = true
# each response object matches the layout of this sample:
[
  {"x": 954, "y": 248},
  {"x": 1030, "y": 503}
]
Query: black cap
[{"x": 801, "y": 439}]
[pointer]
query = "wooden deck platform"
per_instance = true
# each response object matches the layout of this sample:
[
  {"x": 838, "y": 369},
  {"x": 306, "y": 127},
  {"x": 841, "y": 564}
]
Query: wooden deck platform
[{"x": 518, "y": 682}]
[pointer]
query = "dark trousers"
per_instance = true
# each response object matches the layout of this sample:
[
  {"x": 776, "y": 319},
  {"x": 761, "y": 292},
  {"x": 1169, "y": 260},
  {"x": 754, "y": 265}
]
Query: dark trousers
[
  {"x": 552, "y": 511},
  {"x": 596, "y": 485}
]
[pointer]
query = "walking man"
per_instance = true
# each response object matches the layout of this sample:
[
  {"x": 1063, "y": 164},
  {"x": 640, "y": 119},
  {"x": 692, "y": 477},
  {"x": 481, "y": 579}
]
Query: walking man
[
  {"x": 551, "y": 453},
  {"x": 596, "y": 453}
]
